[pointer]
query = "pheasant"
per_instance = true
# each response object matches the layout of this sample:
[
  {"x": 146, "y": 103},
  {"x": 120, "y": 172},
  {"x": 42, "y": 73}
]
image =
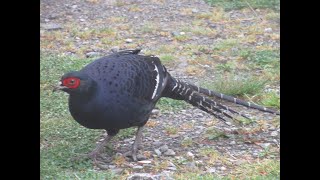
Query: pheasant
[{"x": 121, "y": 90}]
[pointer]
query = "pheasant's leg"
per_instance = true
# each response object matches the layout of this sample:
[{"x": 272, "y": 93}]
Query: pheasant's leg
[
  {"x": 110, "y": 134},
  {"x": 136, "y": 143},
  {"x": 93, "y": 154}
]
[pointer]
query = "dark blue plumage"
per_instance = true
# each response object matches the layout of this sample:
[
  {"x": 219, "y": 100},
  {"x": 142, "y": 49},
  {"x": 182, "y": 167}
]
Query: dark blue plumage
[{"x": 120, "y": 90}]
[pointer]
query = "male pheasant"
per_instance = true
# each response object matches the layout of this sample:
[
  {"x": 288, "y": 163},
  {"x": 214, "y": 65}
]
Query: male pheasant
[{"x": 120, "y": 91}]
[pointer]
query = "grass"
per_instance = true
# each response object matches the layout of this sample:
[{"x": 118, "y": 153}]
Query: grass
[
  {"x": 135, "y": 8},
  {"x": 195, "y": 176},
  {"x": 264, "y": 169},
  {"x": 88, "y": 174},
  {"x": 114, "y": 19},
  {"x": 71, "y": 39},
  {"x": 62, "y": 140},
  {"x": 171, "y": 130},
  {"x": 273, "y": 16},
  {"x": 186, "y": 11},
  {"x": 170, "y": 105},
  {"x": 181, "y": 38},
  {"x": 167, "y": 49},
  {"x": 187, "y": 142},
  {"x": 266, "y": 60},
  {"x": 270, "y": 99},
  {"x": 244, "y": 121},
  {"x": 268, "y": 152},
  {"x": 227, "y": 67},
  {"x": 212, "y": 133},
  {"x": 226, "y": 44},
  {"x": 201, "y": 31},
  {"x": 213, "y": 156},
  {"x": 166, "y": 58},
  {"x": 149, "y": 27},
  {"x": 263, "y": 58},
  {"x": 237, "y": 86},
  {"x": 218, "y": 14},
  {"x": 126, "y": 133},
  {"x": 245, "y": 87},
  {"x": 239, "y": 4},
  {"x": 95, "y": 33}
]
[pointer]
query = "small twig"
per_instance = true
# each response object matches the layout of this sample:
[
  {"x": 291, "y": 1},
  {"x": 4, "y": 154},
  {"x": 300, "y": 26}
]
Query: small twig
[
  {"x": 232, "y": 156},
  {"x": 204, "y": 66},
  {"x": 76, "y": 175},
  {"x": 234, "y": 20},
  {"x": 254, "y": 11},
  {"x": 101, "y": 166}
]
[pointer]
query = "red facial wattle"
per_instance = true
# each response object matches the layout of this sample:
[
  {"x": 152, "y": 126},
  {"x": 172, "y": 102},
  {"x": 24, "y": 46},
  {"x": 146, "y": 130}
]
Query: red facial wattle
[{"x": 71, "y": 82}]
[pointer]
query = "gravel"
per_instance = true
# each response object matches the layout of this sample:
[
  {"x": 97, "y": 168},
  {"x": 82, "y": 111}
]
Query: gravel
[
  {"x": 50, "y": 26},
  {"x": 164, "y": 148},
  {"x": 169, "y": 152}
]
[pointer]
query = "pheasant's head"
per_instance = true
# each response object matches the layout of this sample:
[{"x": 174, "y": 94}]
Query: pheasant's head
[{"x": 75, "y": 82}]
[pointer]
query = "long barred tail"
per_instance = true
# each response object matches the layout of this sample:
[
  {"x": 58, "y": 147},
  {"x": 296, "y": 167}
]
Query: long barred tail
[
  {"x": 199, "y": 97},
  {"x": 230, "y": 99}
]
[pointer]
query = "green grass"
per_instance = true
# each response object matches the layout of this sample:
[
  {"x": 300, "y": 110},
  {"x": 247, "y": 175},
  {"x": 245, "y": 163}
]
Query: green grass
[
  {"x": 171, "y": 130},
  {"x": 265, "y": 169},
  {"x": 148, "y": 28},
  {"x": 244, "y": 121},
  {"x": 166, "y": 58},
  {"x": 187, "y": 142},
  {"x": 97, "y": 33},
  {"x": 213, "y": 156},
  {"x": 271, "y": 99},
  {"x": 198, "y": 30},
  {"x": 237, "y": 86},
  {"x": 227, "y": 67},
  {"x": 213, "y": 133},
  {"x": 226, "y": 44},
  {"x": 268, "y": 152},
  {"x": 166, "y": 49},
  {"x": 248, "y": 87},
  {"x": 181, "y": 38},
  {"x": 169, "y": 105},
  {"x": 239, "y": 4},
  {"x": 208, "y": 151},
  {"x": 196, "y": 176},
  {"x": 267, "y": 59},
  {"x": 61, "y": 140}
]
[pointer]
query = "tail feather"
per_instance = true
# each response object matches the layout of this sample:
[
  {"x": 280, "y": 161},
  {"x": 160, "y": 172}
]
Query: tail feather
[
  {"x": 180, "y": 91},
  {"x": 211, "y": 93},
  {"x": 197, "y": 101},
  {"x": 195, "y": 96},
  {"x": 212, "y": 105},
  {"x": 211, "y": 112}
]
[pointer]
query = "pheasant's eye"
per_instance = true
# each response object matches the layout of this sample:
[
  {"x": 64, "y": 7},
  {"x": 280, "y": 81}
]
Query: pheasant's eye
[{"x": 71, "y": 82}]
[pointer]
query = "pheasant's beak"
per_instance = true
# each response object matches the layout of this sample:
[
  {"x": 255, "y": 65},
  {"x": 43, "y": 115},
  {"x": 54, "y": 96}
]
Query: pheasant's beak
[{"x": 59, "y": 86}]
